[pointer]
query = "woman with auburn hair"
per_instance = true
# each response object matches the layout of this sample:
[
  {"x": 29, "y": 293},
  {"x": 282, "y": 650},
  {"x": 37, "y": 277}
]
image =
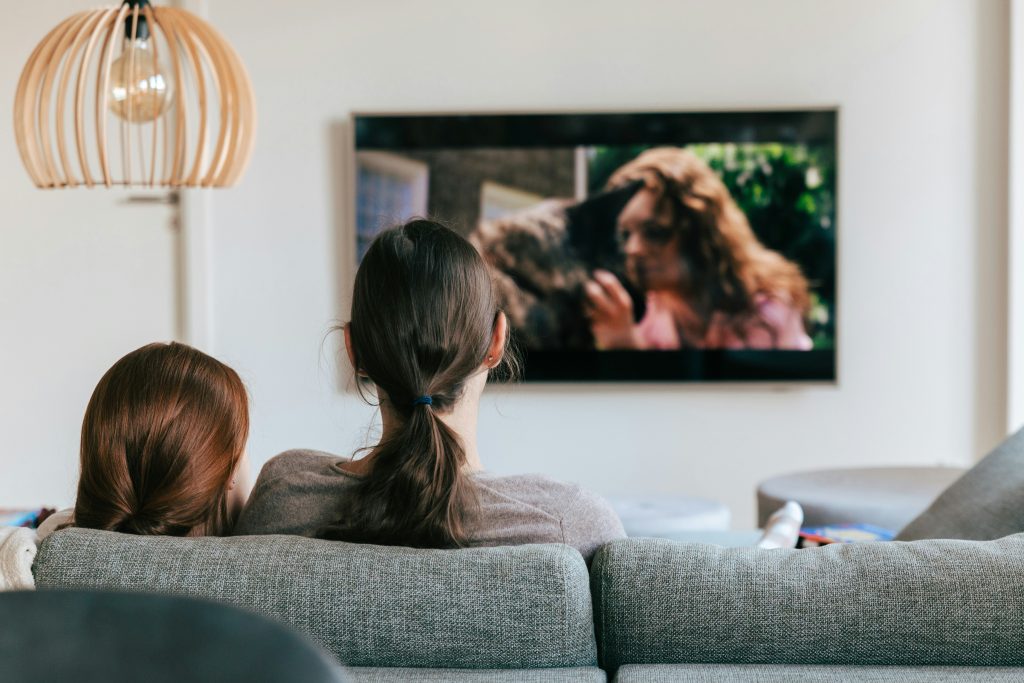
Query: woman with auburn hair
[
  {"x": 163, "y": 448},
  {"x": 709, "y": 282},
  {"x": 426, "y": 332},
  {"x": 162, "y": 442}
]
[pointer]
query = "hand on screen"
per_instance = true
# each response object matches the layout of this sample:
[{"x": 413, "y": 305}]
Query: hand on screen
[{"x": 611, "y": 313}]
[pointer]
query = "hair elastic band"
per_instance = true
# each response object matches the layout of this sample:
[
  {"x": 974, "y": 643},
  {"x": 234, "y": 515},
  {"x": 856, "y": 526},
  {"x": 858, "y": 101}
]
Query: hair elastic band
[{"x": 423, "y": 401}]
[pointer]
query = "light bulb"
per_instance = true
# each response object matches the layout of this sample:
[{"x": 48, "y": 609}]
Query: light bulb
[{"x": 139, "y": 90}]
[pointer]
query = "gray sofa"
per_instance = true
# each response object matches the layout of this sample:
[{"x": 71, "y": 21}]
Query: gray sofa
[
  {"x": 647, "y": 610},
  {"x": 388, "y": 614},
  {"x": 925, "y": 611}
]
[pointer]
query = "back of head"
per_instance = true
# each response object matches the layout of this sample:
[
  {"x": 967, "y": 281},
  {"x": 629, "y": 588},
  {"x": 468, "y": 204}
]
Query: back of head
[
  {"x": 423, "y": 315},
  {"x": 164, "y": 430}
]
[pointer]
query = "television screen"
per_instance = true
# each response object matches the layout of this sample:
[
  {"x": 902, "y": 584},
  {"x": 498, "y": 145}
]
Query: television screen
[{"x": 690, "y": 246}]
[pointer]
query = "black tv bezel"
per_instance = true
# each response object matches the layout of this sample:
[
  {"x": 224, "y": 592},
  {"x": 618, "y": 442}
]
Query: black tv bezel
[{"x": 818, "y": 126}]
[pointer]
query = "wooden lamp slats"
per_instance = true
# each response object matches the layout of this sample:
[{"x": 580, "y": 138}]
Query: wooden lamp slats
[
  {"x": 103, "y": 92},
  {"x": 63, "y": 97},
  {"x": 103, "y": 24},
  {"x": 195, "y": 63},
  {"x": 148, "y": 13},
  {"x": 82, "y": 34}
]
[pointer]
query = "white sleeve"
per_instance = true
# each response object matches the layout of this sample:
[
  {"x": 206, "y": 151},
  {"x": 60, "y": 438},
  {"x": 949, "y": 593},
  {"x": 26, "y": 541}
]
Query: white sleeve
[{"x": 18, "y": 547}]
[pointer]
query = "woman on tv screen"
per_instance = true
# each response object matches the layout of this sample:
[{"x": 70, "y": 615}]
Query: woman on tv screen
[{"x": 707, "y": 281}]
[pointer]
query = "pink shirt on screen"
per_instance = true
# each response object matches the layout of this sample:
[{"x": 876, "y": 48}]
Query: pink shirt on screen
[{"x": 777, "y": 325}]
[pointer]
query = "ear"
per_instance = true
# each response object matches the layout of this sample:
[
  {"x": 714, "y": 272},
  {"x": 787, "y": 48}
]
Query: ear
[{"x": 498, "y": 336}]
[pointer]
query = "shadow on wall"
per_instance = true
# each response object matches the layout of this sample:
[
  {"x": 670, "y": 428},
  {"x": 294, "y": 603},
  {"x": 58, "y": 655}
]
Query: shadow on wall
[
  {"x": 343, "y": 233},
  {"x": 991, "y": 198}
]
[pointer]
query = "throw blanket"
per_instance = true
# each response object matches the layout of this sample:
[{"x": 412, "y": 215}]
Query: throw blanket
[
  {"x": 17, "y": 551},
  {"x": 18, "y": 547}
]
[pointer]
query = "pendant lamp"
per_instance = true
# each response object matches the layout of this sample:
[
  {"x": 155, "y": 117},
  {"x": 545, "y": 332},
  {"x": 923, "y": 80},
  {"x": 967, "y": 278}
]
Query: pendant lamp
[{"x": 135, "y": 95}]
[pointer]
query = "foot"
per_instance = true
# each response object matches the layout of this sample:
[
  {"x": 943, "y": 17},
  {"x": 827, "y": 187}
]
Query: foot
[{"x": 783, "y": 528}]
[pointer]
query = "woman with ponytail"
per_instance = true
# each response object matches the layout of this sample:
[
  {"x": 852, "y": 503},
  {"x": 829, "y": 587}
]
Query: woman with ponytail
[{"x": 426, "y": 332}]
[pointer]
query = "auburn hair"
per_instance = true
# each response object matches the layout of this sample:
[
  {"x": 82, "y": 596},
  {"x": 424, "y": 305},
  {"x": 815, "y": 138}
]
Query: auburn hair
[
  {"x": 423, "y": 314},
  {"x": 726, "y": 264},
  {"x": 163, "y": 433}
]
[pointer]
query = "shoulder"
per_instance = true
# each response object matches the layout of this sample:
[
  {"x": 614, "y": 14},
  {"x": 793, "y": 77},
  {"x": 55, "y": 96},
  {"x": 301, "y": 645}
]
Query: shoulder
[
  {"x": 540, "y": 486},
  {"x": 296, "y": 492},
  {"x": 531, "y": 483},
  {"x": 54, "y": 522},
  {"x": 585, "y": 509},
  {"x": 298, "y": 463},
  {"x": 536, "y": 489},
  {"x": 587, "y": 520},
  {"x": 298, "y": 455},
  {"x": 300, "y": 458},
  {"x": 301, "y": 470}
]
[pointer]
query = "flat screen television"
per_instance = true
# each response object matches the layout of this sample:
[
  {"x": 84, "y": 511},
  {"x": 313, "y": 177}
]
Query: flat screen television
[{"x": 669, "y": 246}]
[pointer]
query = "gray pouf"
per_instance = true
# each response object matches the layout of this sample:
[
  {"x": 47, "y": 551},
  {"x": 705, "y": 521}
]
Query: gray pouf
[
  {"x": 888, "y": 497},
  {"x": 667, "y": 515}
]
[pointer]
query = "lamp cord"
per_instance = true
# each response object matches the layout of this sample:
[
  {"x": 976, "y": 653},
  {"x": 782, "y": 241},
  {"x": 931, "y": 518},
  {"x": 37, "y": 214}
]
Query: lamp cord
[{"x": 142, "y": 29}]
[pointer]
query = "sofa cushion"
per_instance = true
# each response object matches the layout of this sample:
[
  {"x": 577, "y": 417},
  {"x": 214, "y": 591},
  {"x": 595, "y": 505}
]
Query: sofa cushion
[
  {"x": 985, "y": 503},
  {"x": 583, "y": 674},
  {"x": 781, "y": 673},
  {"x": 503, "y": 608},
  {"x": 923, "y": 603}
]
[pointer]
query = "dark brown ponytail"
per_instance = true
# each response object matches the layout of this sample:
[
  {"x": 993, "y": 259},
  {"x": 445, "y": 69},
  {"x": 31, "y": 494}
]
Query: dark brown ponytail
[{"x": 423, "y": 315}]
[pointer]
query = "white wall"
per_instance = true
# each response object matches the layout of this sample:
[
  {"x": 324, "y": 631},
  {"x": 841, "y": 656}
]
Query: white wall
[
  {"x": 84, "y": 278},
  {"x": 922, "y": 226},
  {"x": 1015, "y": 224},
  {"x": 922, "y": 89}
]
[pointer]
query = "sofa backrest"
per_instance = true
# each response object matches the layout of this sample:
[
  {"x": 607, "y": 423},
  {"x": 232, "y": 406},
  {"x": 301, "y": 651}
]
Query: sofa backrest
[
  {"x": 494, "y": 608},
  {"x": 923, "y": 603}
]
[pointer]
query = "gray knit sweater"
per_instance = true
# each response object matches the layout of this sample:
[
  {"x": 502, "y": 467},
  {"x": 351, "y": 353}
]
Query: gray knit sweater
[{"x": 299, "y": 492}]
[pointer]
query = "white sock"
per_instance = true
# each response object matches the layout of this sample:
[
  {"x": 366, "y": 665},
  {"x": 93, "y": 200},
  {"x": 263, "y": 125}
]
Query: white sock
[{"x": 783, "y": 528}]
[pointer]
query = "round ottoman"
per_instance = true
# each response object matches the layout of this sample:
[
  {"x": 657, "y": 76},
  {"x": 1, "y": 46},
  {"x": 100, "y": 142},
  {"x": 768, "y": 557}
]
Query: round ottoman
[
  {"x": 888, "y": 497},
  {"x": 668, "y": 516}
]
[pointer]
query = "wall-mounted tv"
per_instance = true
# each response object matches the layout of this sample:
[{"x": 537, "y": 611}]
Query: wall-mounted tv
[{"x": 685, "y": 246}]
